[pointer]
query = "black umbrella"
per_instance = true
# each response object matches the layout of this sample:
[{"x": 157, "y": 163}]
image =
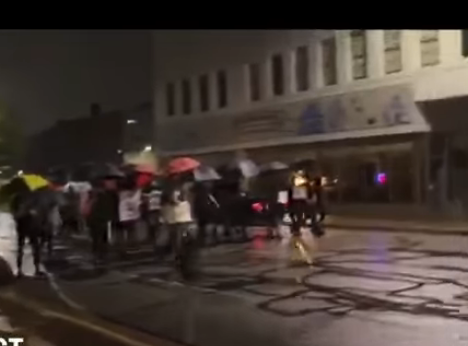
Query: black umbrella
[
  {"x": 275, "y": 166},
  {"x": 308, "y": 166},
  {"x": 228, "y": 173},
  {"x": 58, "y": 175},
  {"x": 82, "y": 172},
  {"x": 106, "y": 171},
  {"x": 205, "y": 173}
]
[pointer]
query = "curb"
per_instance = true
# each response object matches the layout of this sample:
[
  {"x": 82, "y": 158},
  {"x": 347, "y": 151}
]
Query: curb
[{"x": 397, "y": 229}]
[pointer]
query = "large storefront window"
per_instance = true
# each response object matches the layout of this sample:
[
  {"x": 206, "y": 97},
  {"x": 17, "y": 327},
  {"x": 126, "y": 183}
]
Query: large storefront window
[{"x": 382, "y": 177}]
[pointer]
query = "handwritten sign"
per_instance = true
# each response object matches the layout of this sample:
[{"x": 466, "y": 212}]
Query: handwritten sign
[
  {"x": 129, "y": 205},
  {"x": 154, "y": 200}
]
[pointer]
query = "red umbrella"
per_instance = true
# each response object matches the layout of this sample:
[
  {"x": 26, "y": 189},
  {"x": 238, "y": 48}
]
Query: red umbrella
[
  {"x": 145, "y": 168},
  {"x": 144, "y": 179},
  {"x": 182, "y": 164}
]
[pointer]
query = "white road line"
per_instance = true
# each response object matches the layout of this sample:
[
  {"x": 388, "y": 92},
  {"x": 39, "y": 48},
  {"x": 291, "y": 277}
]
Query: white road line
[{"x": 56, "y": 288}]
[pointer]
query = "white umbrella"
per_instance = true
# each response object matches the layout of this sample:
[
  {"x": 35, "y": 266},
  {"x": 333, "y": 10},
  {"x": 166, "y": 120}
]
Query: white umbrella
[
  {"x": 78, "y": 186},
  {"x": 205, "y": 173},
  {"x": 248, "y": 168},
  {"x": 273, "y": 166}
]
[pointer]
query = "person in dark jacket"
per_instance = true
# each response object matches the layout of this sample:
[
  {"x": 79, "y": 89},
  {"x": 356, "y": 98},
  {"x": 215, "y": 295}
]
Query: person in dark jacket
[
  {"x": 317, "y": 208},
  {"x": 151, "y": 210},
  {"x": 101, "y": 217},
  {"x": 28, "y": 227},
  {"x": 205, "y": 209}
]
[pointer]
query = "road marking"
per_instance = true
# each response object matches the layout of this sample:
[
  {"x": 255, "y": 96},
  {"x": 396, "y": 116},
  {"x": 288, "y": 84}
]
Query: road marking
[
  {"x": 13, "y": 297},
  {"x": 55, "y": 286}
]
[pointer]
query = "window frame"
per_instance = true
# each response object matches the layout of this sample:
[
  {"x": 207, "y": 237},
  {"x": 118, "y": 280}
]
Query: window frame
[
  {"x": 255, "y": 85},
  {"x": 222, "y": 88},
  {"x": 204, "y": 92},
  {"x": 302, "y": 68},
  {"x": 186, "y": 92},
  {"x": 392, "y": 48},
  {"x": 359, "y": 55},
  {"x": 170, "y": 92},
  {"x": 425, "y": 40},
  {"x": 277, "y": 76},
  {"x": 329, "y": 45}
]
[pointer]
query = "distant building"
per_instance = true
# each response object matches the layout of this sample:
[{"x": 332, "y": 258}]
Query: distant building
[
  {"x": 100, "y": 137},
  {"x": 381, "y": 111}
]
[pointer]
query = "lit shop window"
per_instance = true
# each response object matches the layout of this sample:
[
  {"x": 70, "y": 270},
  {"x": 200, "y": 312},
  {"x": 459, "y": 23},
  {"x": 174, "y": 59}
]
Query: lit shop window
[
  {"x": 302, "y": 68},
  {"x": 329, "y": 61},
  {"x": 358, "y": 54},
  {"x": 277, "y": 73},
  {"x": 170, "y": 99},
  {"x": 392, "y": 44},
  {"x": 203, "y": 85},
  {"x": 429, "y": 47},
  {"x": 254, "y": 81},
  {"x": 186, "y": 97}
]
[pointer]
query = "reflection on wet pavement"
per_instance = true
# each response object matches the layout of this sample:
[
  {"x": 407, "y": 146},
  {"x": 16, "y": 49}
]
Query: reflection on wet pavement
[{"x": 406, "y": 287}]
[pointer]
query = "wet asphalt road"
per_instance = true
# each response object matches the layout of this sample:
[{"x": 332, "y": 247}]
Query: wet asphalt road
[
  {"x": 364, "y": 288},
  {"x": 42, "y": 323},
  {"x": 31, "y": 309}
]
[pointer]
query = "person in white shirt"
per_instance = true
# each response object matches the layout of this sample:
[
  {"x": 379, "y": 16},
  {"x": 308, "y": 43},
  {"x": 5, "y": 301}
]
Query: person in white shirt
[
  {"x": 177, "y": 210},
  {"x": 129, "y": 214},
  {"x": 151, "y": 209},
  {"x": 300, "y": 195}
]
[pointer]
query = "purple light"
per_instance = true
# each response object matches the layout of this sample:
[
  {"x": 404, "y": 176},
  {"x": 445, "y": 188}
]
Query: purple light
[{"x": 381, "y": 178}]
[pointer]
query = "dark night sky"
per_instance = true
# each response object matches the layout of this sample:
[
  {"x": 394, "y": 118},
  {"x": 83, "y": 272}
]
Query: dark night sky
[{"x": 46, "y": 75}]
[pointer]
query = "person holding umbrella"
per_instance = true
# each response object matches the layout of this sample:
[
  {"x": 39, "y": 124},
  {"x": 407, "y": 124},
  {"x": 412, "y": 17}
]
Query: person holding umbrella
[
  {"x": 273, "y": 175},
  {"x": 144, "y": 176},
  {"x": 177, "y": 202},
  {"x": 102, "y": 212},
  {"x": 29, "y": 213},
  {"x": 206, "y": 207},
  {"x": 151, "y": 209}
]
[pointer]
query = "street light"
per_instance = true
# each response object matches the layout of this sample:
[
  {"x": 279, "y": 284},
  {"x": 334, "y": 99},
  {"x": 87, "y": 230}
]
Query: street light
[
  {"x": 148, "y": 148},
  {"x": 131, "y": 121},
  {"x": 119, "y": 151}
]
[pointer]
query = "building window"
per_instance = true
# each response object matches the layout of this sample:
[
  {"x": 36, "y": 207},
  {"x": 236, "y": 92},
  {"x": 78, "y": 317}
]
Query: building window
[
  {"x": 277, "y": 73},
  {"x": 255, "y": 82},
  {"x": 464, "y": 34},
  {"x": 329, "y": 61},
  {"x": 302, "y": 68},
  {"x": 464, "y": 43},
  {"x": 358, "y": 53},
  {"x": 222, "y": 83},
  {"x": 392, "y": 42},
  {"x": 204, "y": 88},
  {"x": 170, "y": 99},
  {"x": 429, "y": 47},
  {"x": 186, "y": 97}
]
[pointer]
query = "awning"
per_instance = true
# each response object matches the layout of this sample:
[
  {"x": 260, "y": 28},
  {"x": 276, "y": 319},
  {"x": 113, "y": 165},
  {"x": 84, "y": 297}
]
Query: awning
[{"x": 441, "y": 84}]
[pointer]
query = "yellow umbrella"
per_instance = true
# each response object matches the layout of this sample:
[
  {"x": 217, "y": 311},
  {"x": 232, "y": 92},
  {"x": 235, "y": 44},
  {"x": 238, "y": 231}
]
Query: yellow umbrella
[{"x": 34, "y": 182}]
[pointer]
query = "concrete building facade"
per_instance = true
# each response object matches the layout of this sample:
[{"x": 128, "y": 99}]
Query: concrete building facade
[{"x": 381, "y": 111}]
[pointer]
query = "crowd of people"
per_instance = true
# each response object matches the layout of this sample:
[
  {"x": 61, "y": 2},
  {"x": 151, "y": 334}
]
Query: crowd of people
[{"x": 110, "y": 208}]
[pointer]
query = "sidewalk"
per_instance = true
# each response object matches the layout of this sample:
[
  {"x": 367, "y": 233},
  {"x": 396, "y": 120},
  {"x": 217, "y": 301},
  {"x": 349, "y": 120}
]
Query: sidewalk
[{"x": 440, "y": 226}]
